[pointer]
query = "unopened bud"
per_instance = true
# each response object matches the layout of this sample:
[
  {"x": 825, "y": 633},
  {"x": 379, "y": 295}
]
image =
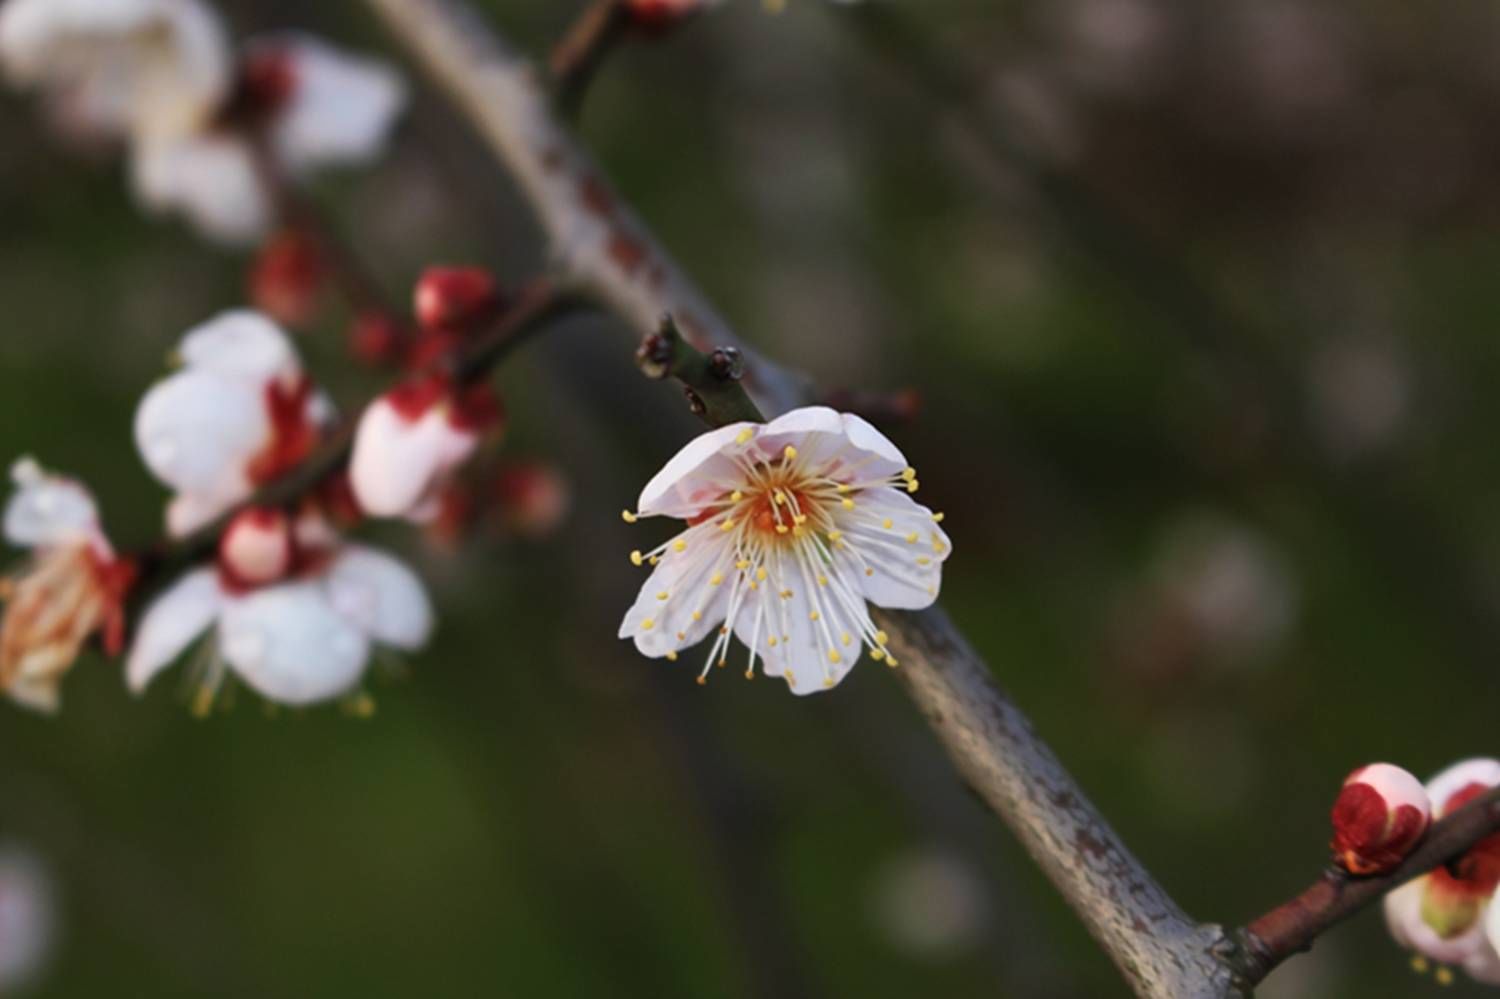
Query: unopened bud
[
  {"x": 1378, "y": 818},
  {"x": 455, "y": 299},
  {"x": 288, "y": 278},
  {"x": 376, "y": 339},
  {"x": 533, "y": 498},
  {"x": 654, "y": 355},
  {"x": 256, "y": 548},
  {"x": 659, "y": 15},
  {"x": 726, "y": 364}
]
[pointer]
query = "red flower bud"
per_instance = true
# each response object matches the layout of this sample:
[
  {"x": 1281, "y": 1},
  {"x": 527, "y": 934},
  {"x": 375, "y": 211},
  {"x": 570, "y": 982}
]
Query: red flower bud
[
  {"x": 455, "y": 299},
  {"x": 659, "y": 15},
  {"x": 533, "y": 498},
  {"x": 376, "y": 339},
  {"x": 1378, "y": 818},
  {"x": 256, "y": 548},
  {"x": 288, "y": 278}
]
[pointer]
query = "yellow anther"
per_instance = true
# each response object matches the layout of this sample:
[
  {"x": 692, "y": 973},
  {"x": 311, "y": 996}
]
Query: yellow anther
[
  {"x": 799, "y": 518},
  {"x": 743, "y": 563},
  {"x": 682, "y": 636},
  {"x": 1419, "y": 964},
  {"x": 877, "y": 654},
  {"x": 813, "y": 616},
  {"x": 724, "y": 630},
  {"x": 703, "y": 681},
  {"x": 749, "y": 674},
  {"x": 1443, "y": 976},
  {"x": 911, "y": 538},
  {"x": 716, "y": 579},
  {"x": 890, "y": 661},
  {"x": 654, "y": 559},
  {"x": 736, "y": 496},
  {"x": 908, "y": 473},
  {"x": 887, "y": 523},
  {"x": 912, "y": 485},
  {"x": 789, "y": 677},
  {"x": 937, "y": 518},
  {"x": 869, "y": 572},
  {"x": 845, "y": 638},
  {"x": 722, "y": 663},
  {"x": 822, "y": 580},
  {"x": 779, "y": 497},
  {"x": 881, "y": 638},
  {"x": 628, "y": 517},
  {"x": 834, "y": 657},
  {"x": 773, "y": 641},
  {"x": 786, "y": 594},
  {"x": 938, "y": 547},
  {"x": 844, "y": 487},
  {"x": 782, "y": 528},
  {"x": 760, "y": 573},
  {"x": 728, "y": 524},
  {"x": 923, "y": 560},
  {"x": 671, "y": 657},
  {"x": 743, "y": 437},
  {"x": 361, "y": 706},
  {"x": 790, "y": 452},
  {"x": 648, "y": 624},
  {"x": 697, "y": 615},
  {"x": 662, "y": 595},
  {"x": 679, "y": 546},
  {"x": 798, "y": 531},
  {"x": 754, "y": 585},
  {"x": 828, "y": 683},
  {"x": 636, "y": 558},
  {"x": 835, "y": 535},
  {"x": 848, "y": 503}
]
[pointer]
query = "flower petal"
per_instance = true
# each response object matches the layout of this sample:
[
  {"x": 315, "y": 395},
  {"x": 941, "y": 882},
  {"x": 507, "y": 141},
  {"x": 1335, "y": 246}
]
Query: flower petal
[
  {"x": 1480, "y": 770},
  {"x": 169, "y": 626},
  {"x": 699, "y": 473},
  {"x": 290, "y": 645},
  {"x": 211, "y": 179},
  {"x": 240, "y": 344},
  {"x": 48, "y": 509},
  {"x": 808, "y": 627},
  {"x": 196, "y": 431},
  {"x": 1403, "y": 917},
  {"x": 396, "y": 460},
  {"x": 381, "y": 595},
  {"x": 685, "y": 577},
  {"x": 342, "y": 109},
  {"x": 899, "y": 566}
]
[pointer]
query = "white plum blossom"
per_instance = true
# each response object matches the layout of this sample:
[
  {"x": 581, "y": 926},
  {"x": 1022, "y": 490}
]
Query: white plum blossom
[
  {"x": 296, "y": 641},
  {"x": 795, "y": 526},
  {"x": 28, "y": 922},
  {"x": 133, "y": 69},
  {"x": 1448, "y": 914},
  {"x": 239, "y": 413},
  {"x": 411, "y": 439},
  {"x": 73, "y": 587},
  {"x": 315, "y": 106},
  {"x": 207, "y": 131}
]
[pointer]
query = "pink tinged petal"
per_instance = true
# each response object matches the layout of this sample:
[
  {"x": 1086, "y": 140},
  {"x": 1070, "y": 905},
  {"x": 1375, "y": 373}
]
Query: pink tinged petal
[
  {"x": 900, "y": 566},
  {"x": 240, "y": 344},
  {"x": 686, "y": 578},
  {"x": 397, "y": 461},
  {"x": 170, "y": 625},
  {"x": 196, "y": 431},
  {"x": 698, "y": 474},
  {"x": 342, "y": 109},
  {"x": 48, "y": 509},
  {"x": 187, "y": 512},
  {"x": 290, "y": 645},
  {"x": 210, "y": 179},
  {"x": 1480, "y": 770},
  {"x": 382, "y": 596}
]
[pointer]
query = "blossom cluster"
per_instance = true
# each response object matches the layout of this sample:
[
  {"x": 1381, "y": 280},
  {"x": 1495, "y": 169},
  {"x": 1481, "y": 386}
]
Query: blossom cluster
[{"x": 210, "y": 132}]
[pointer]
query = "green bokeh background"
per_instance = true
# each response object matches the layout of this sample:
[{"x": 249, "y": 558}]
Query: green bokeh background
[{"x": 536, "y": 811}]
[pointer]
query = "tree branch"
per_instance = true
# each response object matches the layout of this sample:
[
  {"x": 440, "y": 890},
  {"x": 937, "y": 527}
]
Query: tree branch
[
  {"x": 600, "y": 246},
  {"x": 582, "y": 50},
  {"x": 1291, "y": 927}
]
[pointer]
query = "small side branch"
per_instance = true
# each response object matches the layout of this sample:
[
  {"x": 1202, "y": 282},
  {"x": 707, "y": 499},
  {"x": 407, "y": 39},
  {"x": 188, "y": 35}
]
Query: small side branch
[
  {"x": 582, "y": 50},
  {"x": 1291, "y": 927}
]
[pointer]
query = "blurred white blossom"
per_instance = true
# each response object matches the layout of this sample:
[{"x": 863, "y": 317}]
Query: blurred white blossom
[
  {"x": 28, "y": 918},
  {"x": 930, "y": 904}
]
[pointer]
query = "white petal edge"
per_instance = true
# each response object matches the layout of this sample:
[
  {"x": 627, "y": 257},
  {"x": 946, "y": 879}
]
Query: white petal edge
[
  {"x": 397, "y": 461},
  {"x": 196, "y": 431},
  {"x": 692, "y": 476},
  {"x": 170, "y": 625},
  {"x": 48, "y": 509},
  {"x": 1479, "y": 770},
  {"x": 381, "y": 595},
  {"x": 239, "y": 343}
]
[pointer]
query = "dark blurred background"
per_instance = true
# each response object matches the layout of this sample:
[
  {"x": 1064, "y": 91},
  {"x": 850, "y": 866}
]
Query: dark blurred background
[{"x": 1204, "y": 331}]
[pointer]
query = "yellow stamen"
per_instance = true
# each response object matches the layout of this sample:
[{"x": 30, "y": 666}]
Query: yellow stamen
[
  {"x": 887, "y": 523},
  {"x": 813, "y": 616},
  {"x": 679, "y": 546},
  {"x": 848, "y": 503},
  {"x": 728, "y": 524},
  {"x": 743, "y": 437},
  {"x": 636, "y": 557},
  {"x": 736, "y": 496},
  {"x": 628, "y": 517},
  {"x": 697, "y": 615},
  {"x": 716, "y": 579},
  {"x": 908, "y": 473},
  {"x": 937, "y": 518},
  {"x": 913, "y": 485},
  {"x": 662, "y": 595},
  {"x": 743, "y": 563},
  {"x": 648, "y": 624},
  {"x": 834, "y": 657},
  {"x": 671, "y": 657},
  {"x": 911, "y": 538},
  {"x": 790, "y": 452}
]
